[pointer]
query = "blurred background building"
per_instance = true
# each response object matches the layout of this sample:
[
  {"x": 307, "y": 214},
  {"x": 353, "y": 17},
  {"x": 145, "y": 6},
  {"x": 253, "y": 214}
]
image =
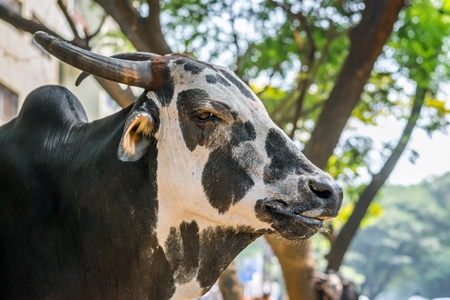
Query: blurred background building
[{"x": 24, "y": 66}]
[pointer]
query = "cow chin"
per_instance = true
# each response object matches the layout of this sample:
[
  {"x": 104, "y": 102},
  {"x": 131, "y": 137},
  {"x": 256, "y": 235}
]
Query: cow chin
[{"x": 284, "y": 221}]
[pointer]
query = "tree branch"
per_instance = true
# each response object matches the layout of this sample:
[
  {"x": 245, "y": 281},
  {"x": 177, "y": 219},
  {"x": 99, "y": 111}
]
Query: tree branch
[
  {"x": 280, "y": 107},
  {"x": 367, "y": 40},
  {"x": 304, "y": 25},
  {"x": 17, "y": 21},
  {"x": 309, "y": 35},
  {"x": 123, "y": 13},
  {"x": 97, "y": 31},
  {"x": 345, "y": 236},
  {"x": 308, "y": 79},
  {"x": 122, "y": 97},
  {"x": 304, "y": 85},
  {"x": 300, "y": 44},
  {"x": 289, "y": 108},
  {"x": 77, "y": 39},
  {"x": 144, "y": 33},
  {"x": 314, "y": 64},
  {"x": 331, "y": 35},
  {"x": 156, "y": 40},
  {"x": 69, "y": 20},
  {"x": 310, "y": 110},
  {"x": 155, "y": 9}
]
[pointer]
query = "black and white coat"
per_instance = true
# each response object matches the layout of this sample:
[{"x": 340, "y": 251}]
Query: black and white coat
[{"x": 154, "y": 201}]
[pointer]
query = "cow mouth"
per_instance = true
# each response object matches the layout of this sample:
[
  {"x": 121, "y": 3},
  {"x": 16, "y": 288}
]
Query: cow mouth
[{"x": 287, "y": 221}]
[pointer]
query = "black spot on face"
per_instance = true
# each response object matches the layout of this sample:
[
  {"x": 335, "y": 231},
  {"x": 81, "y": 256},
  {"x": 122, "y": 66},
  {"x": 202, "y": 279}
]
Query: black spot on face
[
  {"x": 188, "y": 102},
  {"x": 183, "y": 251},
  {"x": 284, "y": 157},
  {"x": 213, "y": 79},
  {"x": 222, "y": 80},
  {"x": 242, "y": 132},
  {"x": 225, "y": 181},
  {"x": 191, "y": 65},
  {"x": 241, "y": 87},
  {"x": 166, "y": 89}
]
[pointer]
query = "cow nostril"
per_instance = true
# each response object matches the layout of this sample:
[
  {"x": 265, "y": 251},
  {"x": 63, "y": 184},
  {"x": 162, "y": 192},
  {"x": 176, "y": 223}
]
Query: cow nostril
[{"x": 321, "y": 190}]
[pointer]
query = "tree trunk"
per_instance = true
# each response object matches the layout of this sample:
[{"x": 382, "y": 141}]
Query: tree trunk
[
  {"x": 229, "y": 284},
  {"x": 298, "y": 266},
  {"x": 342, "y": 241},
  {"x": 367, "y": 40}
]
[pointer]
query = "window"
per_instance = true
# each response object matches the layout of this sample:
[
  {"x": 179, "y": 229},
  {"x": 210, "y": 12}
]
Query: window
[{"x": 8, "y": 104}]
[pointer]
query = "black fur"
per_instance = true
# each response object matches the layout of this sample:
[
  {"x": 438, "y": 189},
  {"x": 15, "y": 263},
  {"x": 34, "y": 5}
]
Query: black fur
[
  {"x": 75, "y": 222},
  {"x": 285, "y": 159},
  {"x": 190, "y": 65},
  {"x": 225, "y": 181},
  {"x": 241, "y": 87},
  {"x": 213, "y": 79},
  {"x": 166, "y": 90}
]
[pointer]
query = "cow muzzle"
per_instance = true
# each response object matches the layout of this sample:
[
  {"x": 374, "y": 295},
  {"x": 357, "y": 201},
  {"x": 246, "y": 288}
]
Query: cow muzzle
[{"x": 320, "y": 200}]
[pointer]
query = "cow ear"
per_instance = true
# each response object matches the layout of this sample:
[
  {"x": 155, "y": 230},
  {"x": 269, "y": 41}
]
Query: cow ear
[{"x": 136, "y": 137}]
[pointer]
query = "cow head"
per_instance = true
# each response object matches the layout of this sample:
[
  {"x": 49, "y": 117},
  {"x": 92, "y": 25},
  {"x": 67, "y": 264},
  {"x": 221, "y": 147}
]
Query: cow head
[{"x": 221, "y": 160}]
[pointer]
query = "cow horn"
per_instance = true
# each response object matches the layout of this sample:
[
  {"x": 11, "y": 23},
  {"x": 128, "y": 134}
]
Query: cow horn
[
  {"x": 134, "y": 73},
  {"x": 134, "y": 56}
]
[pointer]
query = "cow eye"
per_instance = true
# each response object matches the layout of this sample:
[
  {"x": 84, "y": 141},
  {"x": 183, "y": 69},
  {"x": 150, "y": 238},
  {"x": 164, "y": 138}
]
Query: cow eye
[{"x": 205, "y": 116}]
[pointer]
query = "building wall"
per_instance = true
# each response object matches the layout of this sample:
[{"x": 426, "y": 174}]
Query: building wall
[{"x": 24, "y": 66}]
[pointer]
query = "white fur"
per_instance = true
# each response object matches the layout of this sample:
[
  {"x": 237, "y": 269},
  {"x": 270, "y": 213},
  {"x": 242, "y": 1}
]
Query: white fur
[{"x": 181, "y": 196}]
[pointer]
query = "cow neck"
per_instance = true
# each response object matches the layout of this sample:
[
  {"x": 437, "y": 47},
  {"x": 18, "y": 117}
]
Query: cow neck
[
  {"x": 110, "y": 207},
  {"x": 198, "y": 256}
]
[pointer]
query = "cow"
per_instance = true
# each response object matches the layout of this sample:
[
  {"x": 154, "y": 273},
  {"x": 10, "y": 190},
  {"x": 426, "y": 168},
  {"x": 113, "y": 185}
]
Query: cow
[{"x": 156, "y": 200}]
